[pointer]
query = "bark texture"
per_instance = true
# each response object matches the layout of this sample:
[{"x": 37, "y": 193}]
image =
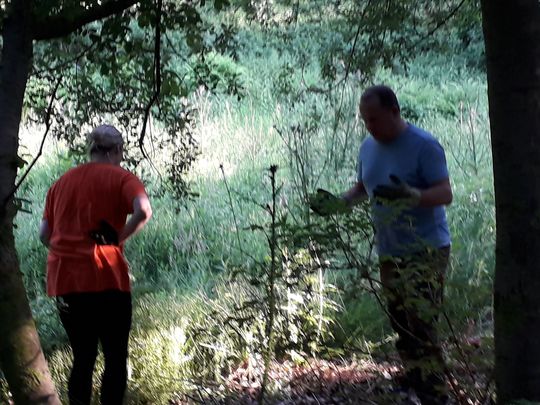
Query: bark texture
[
  {"x": 21, "y": 357},
  {"x": 512, "y": 37}
]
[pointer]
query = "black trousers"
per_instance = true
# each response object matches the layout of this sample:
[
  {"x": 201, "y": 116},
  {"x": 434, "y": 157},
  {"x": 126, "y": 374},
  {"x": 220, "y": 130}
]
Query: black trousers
[
  {"x": 413, "y": 288},
  {"x": 90, "y": 319}
]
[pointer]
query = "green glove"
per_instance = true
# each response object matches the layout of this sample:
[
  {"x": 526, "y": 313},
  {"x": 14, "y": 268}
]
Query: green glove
[
  {"x": 399, "y": 191},
  {"x": 325, "y": 203}
]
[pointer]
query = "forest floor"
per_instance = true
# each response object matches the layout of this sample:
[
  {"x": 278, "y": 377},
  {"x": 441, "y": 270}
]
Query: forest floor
[{"x": 336, "y": 382}]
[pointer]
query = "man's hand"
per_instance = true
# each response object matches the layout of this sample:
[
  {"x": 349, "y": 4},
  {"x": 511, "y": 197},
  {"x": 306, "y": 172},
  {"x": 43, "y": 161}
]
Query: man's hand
[
  {"x": 400, "y": 191},
  {"x": 325, "y": 203}
]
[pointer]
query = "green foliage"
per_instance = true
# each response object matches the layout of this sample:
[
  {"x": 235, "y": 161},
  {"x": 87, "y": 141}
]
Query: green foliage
[
  {"x": 4, "y": 391},
  {"x": 281, "y": 305},
  {"x": 131, "y": 69},
  {"x": 217, "y": 73},
  {"x": 199, "y": 278}
]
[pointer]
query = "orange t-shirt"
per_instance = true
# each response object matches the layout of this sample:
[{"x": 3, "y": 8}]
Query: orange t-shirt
[{"x": 75, "y": 205}]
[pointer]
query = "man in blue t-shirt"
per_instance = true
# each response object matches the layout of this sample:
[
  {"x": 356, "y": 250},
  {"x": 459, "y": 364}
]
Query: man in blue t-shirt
[{"x": 402, "y": 169}]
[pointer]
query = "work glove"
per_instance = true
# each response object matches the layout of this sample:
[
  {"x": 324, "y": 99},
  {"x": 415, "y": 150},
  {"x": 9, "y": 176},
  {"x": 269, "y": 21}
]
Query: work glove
[
  {"x": 325, "y": 203},
  {"x": 105, "y": 234},
  {"x": 398, "y": 192}
]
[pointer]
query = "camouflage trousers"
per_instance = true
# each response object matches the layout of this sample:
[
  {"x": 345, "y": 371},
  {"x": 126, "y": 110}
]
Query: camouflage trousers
[{"x": 413, "y": 288}]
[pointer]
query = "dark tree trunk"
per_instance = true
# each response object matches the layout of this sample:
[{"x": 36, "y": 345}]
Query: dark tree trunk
[
  {"x": 21, "y": 357},
  {"x": 512, "y": 37}
]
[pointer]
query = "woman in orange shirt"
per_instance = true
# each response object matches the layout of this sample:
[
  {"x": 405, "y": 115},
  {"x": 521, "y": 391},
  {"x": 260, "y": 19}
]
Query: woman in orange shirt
[{"x": 84, "y": 226}]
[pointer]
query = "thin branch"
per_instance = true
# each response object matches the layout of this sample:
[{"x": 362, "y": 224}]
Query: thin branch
[
  {"x": 438, "y": 26},
  {"x": 157, "y": 48},
  {"x": 61, "y": 25},
  {"x": 464, "y": 357},
  {"x": 186, "y": 61},
  {"x": 40, "y": 152},
  {"x": 157, "y": 79},
  {"x": 232, "y": 207},
  {"x": 66, "y": 62},
  {"x": 447, "y": 18},
  {"x": 353, "y": 50}
]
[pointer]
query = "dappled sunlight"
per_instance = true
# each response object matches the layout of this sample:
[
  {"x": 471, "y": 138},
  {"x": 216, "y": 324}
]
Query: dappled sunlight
[
  {"x": 234, "y": 135},
  {"x": 234, "y": 270}
]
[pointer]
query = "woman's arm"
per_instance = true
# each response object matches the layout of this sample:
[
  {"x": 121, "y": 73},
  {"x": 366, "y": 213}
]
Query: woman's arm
[{"x": 142, "y": 212}]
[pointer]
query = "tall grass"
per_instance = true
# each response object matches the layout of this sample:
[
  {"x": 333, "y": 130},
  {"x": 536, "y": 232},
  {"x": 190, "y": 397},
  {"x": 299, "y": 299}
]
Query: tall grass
[{"x": 182, "y": 261}]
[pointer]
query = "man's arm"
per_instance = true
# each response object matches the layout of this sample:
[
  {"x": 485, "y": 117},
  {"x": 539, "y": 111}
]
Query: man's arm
[
  {"x": 433, "y": 168},
  {"x": 142, "y": 212},
  {"x": 355, "y": 195},
  {"x": 44, "y": 232},
  {"x": 439, "y": 193}
]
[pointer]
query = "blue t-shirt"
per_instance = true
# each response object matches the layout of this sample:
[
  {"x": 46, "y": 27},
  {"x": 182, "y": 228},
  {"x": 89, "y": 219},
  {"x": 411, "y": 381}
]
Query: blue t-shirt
[{"x": 417, "y": 158}]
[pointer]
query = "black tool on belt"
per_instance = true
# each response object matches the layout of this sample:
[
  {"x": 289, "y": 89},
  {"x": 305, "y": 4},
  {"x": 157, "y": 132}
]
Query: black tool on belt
[{"x": 105, "y": 234}]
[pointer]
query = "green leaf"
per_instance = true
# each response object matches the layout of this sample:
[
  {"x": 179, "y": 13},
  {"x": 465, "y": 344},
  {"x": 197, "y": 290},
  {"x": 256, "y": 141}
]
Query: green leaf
[
  {"x": 221, "y": 4},
  {"x": 20, "y": 162},
  {"x": 194, "y": 41}
]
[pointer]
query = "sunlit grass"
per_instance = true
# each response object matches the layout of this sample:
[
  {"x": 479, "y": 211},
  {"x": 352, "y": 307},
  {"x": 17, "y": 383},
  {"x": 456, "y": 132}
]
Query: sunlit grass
[{"x": 182, "y": 260}]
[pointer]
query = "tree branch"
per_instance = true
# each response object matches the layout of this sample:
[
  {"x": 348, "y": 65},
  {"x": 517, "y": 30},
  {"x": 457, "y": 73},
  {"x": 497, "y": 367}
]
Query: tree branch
[
  {"x": 66, "y": 62},
  {"x": 48, "y": 115},
  {"x": 60, "y": 25},
  {"x": 157, "y": 77},
  {"x": 438, "y": 26}
]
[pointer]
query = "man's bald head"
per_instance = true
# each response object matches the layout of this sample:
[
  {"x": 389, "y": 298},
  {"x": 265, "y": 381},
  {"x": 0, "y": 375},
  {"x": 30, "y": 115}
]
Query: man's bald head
[
  {"x": 382, "y": 94},
  {"x": 381, "y": 113}
]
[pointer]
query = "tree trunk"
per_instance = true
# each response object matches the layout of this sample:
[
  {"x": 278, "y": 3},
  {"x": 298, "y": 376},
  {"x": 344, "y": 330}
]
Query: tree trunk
[
  {"x": 21, "y": 357},
  {"x": 512, "y": 37}
]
